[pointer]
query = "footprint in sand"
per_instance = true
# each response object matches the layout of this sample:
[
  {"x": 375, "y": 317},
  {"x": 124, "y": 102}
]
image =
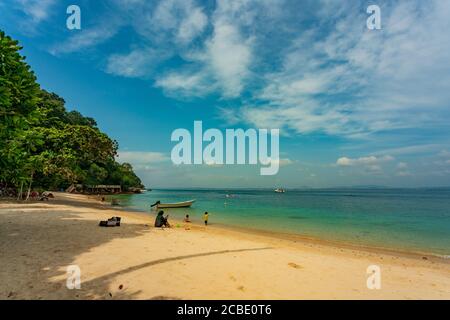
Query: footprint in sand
[
  {"x": 232, "y": 278},
  {"x": 241, "y": 288},
  {"x": 294, "y": 265}
]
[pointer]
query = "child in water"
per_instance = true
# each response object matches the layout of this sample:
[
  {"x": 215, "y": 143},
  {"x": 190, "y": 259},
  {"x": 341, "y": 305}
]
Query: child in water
[{"x": 205, "y": 218}]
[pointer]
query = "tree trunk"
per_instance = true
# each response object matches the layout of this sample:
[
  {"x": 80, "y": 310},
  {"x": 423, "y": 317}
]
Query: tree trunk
[
  {"x": 19, "y": 197},
  {"x": 29, "y": 187}
]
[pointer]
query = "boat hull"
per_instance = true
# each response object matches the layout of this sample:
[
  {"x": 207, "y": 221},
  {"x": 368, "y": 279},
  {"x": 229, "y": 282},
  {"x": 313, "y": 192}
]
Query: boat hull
[{"x": 184, "y": 204}]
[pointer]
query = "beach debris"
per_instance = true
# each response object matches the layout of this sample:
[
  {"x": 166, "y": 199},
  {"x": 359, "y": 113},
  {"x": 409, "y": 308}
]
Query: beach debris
[
  {"x": 71, "y": 189},
  {"x": 121, "y": 287},
  {"x": 45, "y": 196},
  {"x": 294, "y": 265},
  {"x": 10, "y": 294},
  {"x": 110, "y": 294},
  {"x": 424, "y": 258}
]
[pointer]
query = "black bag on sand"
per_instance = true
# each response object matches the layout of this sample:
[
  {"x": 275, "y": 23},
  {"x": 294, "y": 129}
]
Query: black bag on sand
[
  {"x": 113, "y": 222},
  {"x": 116, "y": 220}
]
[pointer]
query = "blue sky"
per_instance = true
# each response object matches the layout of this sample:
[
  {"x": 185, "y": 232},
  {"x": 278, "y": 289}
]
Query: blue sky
[{"x": 354, "y": 106}]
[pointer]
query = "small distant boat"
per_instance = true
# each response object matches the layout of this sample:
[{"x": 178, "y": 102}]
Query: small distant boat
[
  {"x": 280, "y": 190},
  {"x": 183, "y": 204}
]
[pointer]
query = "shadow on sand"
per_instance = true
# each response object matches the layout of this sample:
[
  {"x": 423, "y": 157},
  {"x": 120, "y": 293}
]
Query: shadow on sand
[{"x": 30, "y": 273}]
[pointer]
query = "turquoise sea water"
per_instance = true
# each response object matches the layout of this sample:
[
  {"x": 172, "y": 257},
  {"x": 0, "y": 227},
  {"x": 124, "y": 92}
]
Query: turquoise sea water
[{"x": 404, "y": 219}]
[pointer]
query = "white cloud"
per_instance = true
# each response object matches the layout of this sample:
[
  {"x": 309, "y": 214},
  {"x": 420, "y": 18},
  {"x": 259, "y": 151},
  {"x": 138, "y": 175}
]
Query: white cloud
[
  {"x": 185, "y": 84},
  {"x": 228, "y": 55},
  {"x": 306, "y": 118},
  {"x": 374, "y": 169},
  {"x": 222, "y": 66},
  {"x": 346, "y": 162},
  {"x": 86, "y": 38},
  {"x": 370, "y": 161},
  {"x": 392, "y": 79},
  {"x": 169, "y": 23},
  {"x": 332, "y": 76},
  {"x": 137, "y": 63},
  {"x": 370, "y": 165},
  {"x": 402, "y": 165},
  {"x": 223, "y": 62},
  {"x": 444, "y": 153},
  {"x": 129, "y": 2},
  {"x": 37, "y": 10},
  {"x": 192, "y": 25},
  {"x": 177, "y": 22},
  {"x": 411, "y": 150}
]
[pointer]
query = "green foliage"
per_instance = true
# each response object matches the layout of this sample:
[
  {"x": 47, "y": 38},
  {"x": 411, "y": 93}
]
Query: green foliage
[
  {"x": 43, "y": 143},
  {"x": 18, "y": 87},
  {"x": 123, "y": 174}
]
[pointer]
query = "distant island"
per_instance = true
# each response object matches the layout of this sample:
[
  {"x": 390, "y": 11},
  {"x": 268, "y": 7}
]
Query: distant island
[{"x": 42, "y": 145}]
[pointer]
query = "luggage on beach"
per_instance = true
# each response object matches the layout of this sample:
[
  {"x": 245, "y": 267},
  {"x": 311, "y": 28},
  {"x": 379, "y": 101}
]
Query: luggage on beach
[{"x": 113, "y": 222}]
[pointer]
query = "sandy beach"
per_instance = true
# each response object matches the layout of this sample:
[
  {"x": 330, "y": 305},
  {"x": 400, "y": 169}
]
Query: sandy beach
[{"x": 40, "y": 240}]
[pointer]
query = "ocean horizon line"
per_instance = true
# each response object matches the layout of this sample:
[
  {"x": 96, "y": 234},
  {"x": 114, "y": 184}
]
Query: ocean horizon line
[{"x": 304, "y": 188}]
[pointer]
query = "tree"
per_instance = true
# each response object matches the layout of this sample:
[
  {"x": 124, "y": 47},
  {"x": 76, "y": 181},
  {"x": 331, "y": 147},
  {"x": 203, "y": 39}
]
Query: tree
[
  {"x": 18, "y": 98},
  {"x": 43, "y": 144}
]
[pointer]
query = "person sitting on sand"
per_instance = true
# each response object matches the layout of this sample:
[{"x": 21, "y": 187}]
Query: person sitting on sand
[
  {"x": 162, "y": 221},
  {"x": 186, "y": 219},
  {"x": 166, "y": 222},
  {"x": 205, "y": 218}
]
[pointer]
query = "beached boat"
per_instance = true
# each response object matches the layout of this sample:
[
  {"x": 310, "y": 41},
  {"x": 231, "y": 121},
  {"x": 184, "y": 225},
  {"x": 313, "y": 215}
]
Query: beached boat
[{"x": 183, "y": 204}]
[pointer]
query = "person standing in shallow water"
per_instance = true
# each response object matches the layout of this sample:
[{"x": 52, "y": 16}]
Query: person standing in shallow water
[{"x": 205, "y": 218}]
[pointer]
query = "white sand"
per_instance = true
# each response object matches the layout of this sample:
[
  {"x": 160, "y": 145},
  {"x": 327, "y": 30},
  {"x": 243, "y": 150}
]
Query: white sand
[{"x": 39, "y": 240}]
